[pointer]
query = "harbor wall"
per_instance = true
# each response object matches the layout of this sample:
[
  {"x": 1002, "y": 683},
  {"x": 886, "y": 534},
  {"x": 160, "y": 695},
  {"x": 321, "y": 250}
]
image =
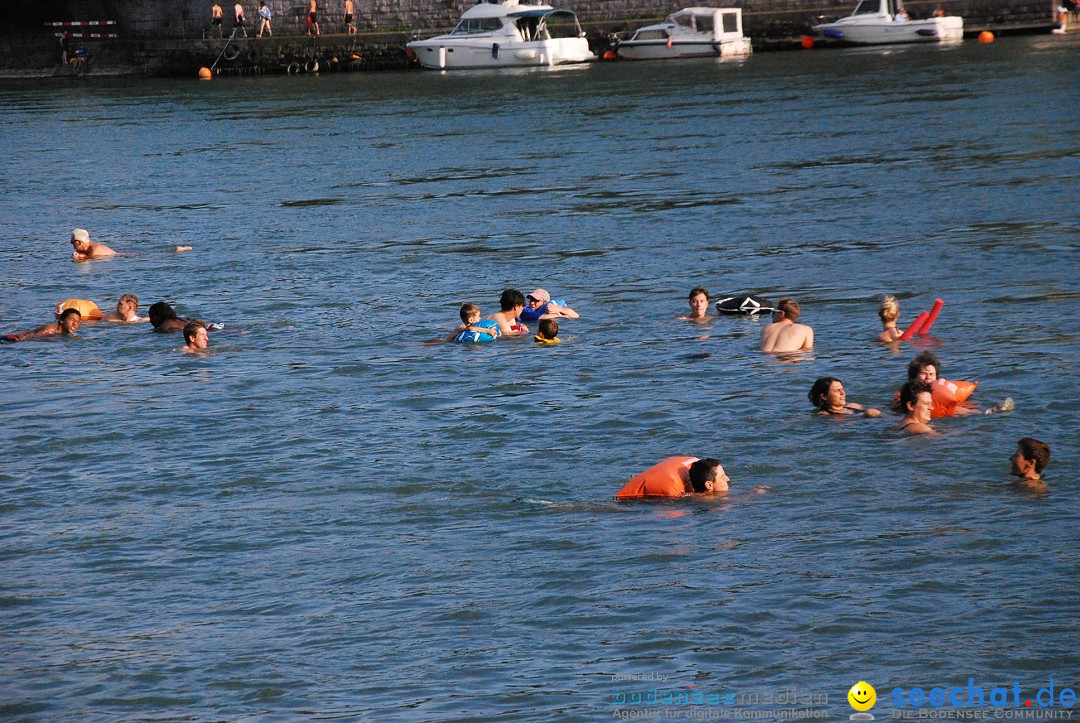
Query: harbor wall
[{"x": 158, "y": 37}]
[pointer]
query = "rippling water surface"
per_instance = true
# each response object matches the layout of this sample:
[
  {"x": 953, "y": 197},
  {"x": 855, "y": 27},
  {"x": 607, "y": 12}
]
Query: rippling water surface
[{"x": 327, "y": 517}]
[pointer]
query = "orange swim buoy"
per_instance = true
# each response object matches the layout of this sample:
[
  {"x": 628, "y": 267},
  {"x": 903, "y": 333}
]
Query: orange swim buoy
[
  {"x": 670, "y": 478},
  {"x": 986, "y": 37},
  {"x": 946, "y": 395},
  {"x": 87, "y": 309},
  {"x": 807, "y": 41}
]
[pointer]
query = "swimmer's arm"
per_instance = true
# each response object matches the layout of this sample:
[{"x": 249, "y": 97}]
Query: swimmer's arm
[
  {"x": 455, "y": 332},
  {"x": 554, "y": 311}
]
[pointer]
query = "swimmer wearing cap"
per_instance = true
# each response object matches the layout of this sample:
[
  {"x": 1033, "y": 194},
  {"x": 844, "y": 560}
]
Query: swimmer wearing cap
[
  {"x": 538, "y": 305},
  {"x": 85, "y": 249}
]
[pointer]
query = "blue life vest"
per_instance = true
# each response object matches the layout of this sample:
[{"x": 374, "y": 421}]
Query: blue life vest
[
  {"x": 472, "y": 337},
  {"x": 528, "y": 314}
]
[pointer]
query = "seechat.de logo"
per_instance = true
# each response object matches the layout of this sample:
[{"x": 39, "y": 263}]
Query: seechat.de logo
[{"x": 862, "y": 697}]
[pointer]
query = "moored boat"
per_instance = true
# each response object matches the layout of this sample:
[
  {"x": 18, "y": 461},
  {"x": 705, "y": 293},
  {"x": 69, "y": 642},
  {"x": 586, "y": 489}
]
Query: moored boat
[
  {"x": 690, "y": 33},
  {"x": 880, "y": 22}
]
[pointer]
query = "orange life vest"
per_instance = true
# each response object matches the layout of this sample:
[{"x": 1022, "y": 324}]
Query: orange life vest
[
  {"x": 670, "y": 478},
  {"x": 946, "y": 395}
]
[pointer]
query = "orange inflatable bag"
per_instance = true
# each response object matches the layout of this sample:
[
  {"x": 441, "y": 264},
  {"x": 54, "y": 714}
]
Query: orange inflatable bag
[
  {"x": 946, "y": 395},
  {"x": 670, "y": 478},
  {"x": 87, "y": 309}
]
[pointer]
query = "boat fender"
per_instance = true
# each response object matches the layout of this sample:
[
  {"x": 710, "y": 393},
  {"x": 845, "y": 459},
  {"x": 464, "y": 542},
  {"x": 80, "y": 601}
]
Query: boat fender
[
  {"x": 669, "y": 42},
  {"x": 88, "y": 310},
  {"x": 928, "y": 32},
  {"x": 495, "y": 50},
  {"x": 312, "y": 66},
  {"x": 254, "y": 56},
  {"x": 473, "y": 337},
  {"x": 231, "y": 53},
  {"x": 670, "y": 478},
  {"x": 834, "y": 33},
  {"x": 744, "y": 304},
  {"x": 293, "y": 68}
]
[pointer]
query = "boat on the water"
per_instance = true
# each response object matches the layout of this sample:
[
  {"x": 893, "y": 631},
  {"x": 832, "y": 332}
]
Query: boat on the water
[
  {"x": 505, "y": 35},
  {"x": 690, "y": 33},
  {"x": 879, "y": 22}
]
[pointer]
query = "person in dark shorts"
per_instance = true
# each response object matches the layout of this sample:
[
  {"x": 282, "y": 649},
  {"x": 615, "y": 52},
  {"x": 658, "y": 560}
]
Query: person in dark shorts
[
  {"x": 216, "y": 14},
  {"x": 350, "y": 29},
  {"x": 313, "y": 17}
]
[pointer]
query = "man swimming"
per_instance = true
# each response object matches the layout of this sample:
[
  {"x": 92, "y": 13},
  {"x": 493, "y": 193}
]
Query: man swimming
[
  {"x": 126, "y": 309},
  {"x": 85, "y": 249},
  {"x": 784, "y": 334},
  {"x": 1029, "y": 460},
  {"x": 66, "y": 325},
  {"x": 164, "y": 319},
  {"x": 195, "y": 337},
  {"x": 511, "y": 302},
  {"x": 699, "y": 305}
]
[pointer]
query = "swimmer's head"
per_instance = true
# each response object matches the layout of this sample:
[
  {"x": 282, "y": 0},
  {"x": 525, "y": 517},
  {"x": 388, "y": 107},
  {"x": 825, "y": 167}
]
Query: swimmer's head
[
  {"x": 789, "y": 308},
  {"x": 160, "y": 312},
  {"x": 917, "y": 400},
  {"x": 706, "y": 475},
  {"x": 195, "y": 335},
  {"x": 699, "y": 301},
  {"x": 69, "y": 320},
  {"x": 827, "y": 393},
  {"x": 511, "y": 299},
  {"x": 548, "y": 328},
  {"x": 890, "y": 310},
  {"x": 127, "y": 304},
  {"x": 470, "y": 313},
  {"x": 80, "y": 239},
  {"x": 924, "y": 367},
  {"x": 537, "y": 298},
  {"x": 1029, "y": 450}
]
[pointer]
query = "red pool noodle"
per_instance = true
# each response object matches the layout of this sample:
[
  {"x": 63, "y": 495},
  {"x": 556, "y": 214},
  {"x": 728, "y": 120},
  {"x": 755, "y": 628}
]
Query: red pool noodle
[
  {"x": 938, "y": 303},
  {"x": 915, "y": 326}
]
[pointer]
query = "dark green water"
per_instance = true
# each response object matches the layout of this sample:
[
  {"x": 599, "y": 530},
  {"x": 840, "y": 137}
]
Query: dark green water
[{"x": 326, "y": 518}]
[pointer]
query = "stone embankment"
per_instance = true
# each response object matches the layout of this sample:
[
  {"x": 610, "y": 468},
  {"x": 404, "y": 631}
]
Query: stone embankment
[{"x": 177, "y": 39}]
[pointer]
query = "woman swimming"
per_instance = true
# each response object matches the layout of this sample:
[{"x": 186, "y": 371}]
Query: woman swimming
[
  {"x": 829, "y": 397},
  {"x": 889, "y": 313},
  {"x": 916, "y": 401}
]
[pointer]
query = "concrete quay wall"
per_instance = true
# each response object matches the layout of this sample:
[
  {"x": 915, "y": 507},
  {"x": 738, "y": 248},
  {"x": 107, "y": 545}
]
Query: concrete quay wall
[{"x": 162, "y": 38}]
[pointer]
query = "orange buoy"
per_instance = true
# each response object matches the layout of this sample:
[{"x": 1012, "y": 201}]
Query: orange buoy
[
  {"x": 808, "y": 41},
  {"x": 670, "y": 478},
  {"x": 669, "y": 42},
  {"x": 986, "y": 37},
  {"x": 610, "y": 55},
  {"x": 205, "y": 74}
]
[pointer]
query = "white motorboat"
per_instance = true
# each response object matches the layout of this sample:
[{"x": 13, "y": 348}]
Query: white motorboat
[
  {"x": 877, "y": 22},
  {"x": 690, "y": 33},
  {"x": 505, "y": 35}
]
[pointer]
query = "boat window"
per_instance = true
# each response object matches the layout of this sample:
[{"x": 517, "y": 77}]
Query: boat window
[
  {"x": 528, "y": 28},
  {"x": 731, "y": 22},
  {"x": 561, "y": 25},
  {"x": 650, "y": 35},
  {"x": 469, "y": 26},
  {"x": 704, "y": 23},
  {"x": 868, "y": 7},
  {"x": 687, "y": 21}
]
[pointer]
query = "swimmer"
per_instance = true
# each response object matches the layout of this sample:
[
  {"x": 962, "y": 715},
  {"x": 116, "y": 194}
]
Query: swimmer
[
  {"x": 66, "y": 325},
  {"x": 783, "y": 334},
  {"x": 126, "y": 309},
  {"x": 926, "y": 367},
  {"x": 195, "y": 338},
  {"x": 916, "y": 402},
  {"x": 889, "y": 313},
  {"x": 699, "y": 305},
  {"x": 164, "y": 319},
  {"x": 538, "y": 305},
  {"x": 1028, "y": 462},
  {"x": 511, "y": 303},
  {"x": 549, "y": 333},
  {"x": 829, "y": 397},
  {"x": 85, "y": 249},
  {"x": 470, "y": 314}
]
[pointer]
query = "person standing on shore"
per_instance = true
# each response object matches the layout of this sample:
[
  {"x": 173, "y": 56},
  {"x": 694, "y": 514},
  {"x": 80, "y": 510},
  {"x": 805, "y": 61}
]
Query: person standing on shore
[
  {"x": 313, "y": 17},
  {"x": 350, "y": 29},
  {"x": 238, "y": 24},
  {"x": 216, "y": 14},
  {"x": 65, "y": 47},
  {"x": 264, "y": 20}
]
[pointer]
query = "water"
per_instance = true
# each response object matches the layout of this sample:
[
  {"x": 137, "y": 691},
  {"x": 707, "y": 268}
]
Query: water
[{"x": 325, "y": 517}]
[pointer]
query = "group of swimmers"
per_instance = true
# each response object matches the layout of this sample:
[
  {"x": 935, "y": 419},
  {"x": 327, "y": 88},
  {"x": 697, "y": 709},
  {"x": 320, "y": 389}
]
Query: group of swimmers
[
  {"x": 515, "y": 308},
  {"x": 915, "y": 401},
  {"x": 72, "y": 313}
]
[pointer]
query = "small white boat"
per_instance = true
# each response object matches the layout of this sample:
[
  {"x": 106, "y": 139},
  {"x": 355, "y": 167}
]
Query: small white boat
[
  {"x": 878, "y": 22},
  {"x": 690, "y": 33},
  {"x": 506, "y": 34}
]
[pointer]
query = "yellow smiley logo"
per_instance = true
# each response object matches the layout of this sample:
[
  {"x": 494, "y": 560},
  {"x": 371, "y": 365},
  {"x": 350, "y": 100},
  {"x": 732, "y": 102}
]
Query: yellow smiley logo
[{"x": 862, "y": 696}]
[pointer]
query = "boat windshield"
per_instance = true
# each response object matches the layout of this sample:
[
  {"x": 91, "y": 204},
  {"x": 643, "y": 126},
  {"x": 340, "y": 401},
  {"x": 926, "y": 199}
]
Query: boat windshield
[
  {"x": 471, "y": 26},
  {"x": 867, "y": 7},
  {"x": 561, "y": 24}
]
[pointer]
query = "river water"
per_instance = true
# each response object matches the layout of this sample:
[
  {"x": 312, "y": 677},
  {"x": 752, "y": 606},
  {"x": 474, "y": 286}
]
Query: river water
[{"x": 327, "y": 517}]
